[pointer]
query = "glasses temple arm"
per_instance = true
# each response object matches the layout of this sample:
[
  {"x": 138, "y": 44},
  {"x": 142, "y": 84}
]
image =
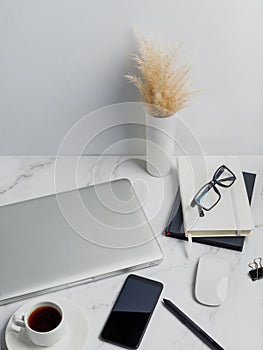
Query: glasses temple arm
[{"x": 201, "y": 212}]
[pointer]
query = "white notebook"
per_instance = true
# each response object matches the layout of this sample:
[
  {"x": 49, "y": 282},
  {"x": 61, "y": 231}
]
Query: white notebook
[{"x": 231, "y": 216}]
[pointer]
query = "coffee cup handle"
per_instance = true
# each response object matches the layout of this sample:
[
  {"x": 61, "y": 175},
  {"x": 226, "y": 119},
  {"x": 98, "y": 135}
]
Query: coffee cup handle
[{"x": 19, "y": 321}]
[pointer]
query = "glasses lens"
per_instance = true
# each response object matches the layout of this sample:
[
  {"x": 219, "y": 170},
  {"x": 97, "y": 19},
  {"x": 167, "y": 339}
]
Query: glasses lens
[
  {"x": 224, "y": 177},
  {"x": 207, "y": 197}
]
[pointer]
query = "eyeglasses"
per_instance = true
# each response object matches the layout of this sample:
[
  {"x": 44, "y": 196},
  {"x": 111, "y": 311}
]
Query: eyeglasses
[{"x": 208, "y": 196}]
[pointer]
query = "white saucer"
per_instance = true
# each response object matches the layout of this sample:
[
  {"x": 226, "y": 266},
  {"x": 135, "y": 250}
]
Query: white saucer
[{"x": 76, "y": 330}]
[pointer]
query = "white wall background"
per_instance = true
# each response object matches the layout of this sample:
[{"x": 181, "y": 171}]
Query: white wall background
[{"x": 61, "y": 59}]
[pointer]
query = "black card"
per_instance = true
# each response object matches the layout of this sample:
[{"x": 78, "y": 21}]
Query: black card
[{"x": 175, "y": 228}]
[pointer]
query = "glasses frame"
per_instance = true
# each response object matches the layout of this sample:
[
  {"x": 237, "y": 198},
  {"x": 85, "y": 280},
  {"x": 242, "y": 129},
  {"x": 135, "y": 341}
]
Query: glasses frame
[{"x": 213, "y": 183}]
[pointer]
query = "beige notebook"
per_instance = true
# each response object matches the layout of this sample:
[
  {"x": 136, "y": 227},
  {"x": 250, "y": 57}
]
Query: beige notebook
[{"x": 232, "y": 214}]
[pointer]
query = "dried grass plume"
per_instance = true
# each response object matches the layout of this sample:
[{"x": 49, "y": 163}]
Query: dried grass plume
[{"x": 162, "y": 81}]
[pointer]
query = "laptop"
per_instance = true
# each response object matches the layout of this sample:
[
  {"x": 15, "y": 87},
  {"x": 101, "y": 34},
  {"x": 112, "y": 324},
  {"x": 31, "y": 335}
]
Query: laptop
[{"x": 66, "y": 239}]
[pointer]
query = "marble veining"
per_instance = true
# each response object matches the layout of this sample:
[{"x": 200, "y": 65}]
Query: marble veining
[
  {"x": 237, "y": 324},
  {"x": 26, "y": 173}
]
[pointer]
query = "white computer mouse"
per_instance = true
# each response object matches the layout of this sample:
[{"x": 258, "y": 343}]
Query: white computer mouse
[{"x": 211, "y": 280}]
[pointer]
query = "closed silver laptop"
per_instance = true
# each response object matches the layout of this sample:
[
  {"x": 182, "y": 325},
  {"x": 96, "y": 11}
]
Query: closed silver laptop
[{"x": 74, "y": 237}]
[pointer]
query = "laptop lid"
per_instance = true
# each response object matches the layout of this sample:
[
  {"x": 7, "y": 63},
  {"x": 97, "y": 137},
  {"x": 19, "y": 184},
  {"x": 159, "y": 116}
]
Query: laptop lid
[{"x": 74, "y": 237}]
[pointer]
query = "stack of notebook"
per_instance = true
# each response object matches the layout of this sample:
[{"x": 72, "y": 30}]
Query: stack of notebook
[{"x": 175, "y": 227}]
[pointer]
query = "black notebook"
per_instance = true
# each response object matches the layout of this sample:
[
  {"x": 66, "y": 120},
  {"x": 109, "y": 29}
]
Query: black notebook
[{"x": 175, "y": 228}]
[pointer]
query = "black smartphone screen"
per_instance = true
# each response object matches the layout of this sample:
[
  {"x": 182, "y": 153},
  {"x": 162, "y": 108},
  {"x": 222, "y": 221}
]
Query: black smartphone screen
[{"x": 132, "y": 312}]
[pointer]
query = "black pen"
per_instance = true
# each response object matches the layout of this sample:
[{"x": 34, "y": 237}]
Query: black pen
[{"x": 191, "y": 325}]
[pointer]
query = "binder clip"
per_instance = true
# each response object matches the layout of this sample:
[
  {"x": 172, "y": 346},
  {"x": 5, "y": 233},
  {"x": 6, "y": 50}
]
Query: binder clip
[{"x": 256, "y": 272}]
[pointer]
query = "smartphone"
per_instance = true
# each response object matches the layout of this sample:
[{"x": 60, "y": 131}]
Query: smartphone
[{"x": 132, "y": 312}]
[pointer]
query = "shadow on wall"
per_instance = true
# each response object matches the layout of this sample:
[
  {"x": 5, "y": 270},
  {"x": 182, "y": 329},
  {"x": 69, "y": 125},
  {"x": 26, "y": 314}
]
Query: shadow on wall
[{"x": 125, "y": 91}]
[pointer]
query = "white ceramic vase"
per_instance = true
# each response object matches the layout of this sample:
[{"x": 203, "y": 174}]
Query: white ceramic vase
[{"x": 160, "y": 141}]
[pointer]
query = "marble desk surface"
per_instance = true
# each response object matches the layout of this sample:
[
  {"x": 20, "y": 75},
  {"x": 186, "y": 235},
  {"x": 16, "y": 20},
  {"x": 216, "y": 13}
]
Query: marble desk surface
[{"x": 237, "y": 324}]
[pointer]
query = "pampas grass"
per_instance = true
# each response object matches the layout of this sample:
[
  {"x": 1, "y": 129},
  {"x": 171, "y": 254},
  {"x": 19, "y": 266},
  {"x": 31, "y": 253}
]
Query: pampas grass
[{"x": 163, "y": 82}]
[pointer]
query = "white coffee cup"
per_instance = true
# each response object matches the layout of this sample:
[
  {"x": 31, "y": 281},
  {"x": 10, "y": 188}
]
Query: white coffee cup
[{"x": 43, "y": 338}]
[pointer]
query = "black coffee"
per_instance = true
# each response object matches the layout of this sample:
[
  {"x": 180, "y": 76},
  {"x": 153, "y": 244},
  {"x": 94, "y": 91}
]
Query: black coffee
[{"x": 44, "y": 319}]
